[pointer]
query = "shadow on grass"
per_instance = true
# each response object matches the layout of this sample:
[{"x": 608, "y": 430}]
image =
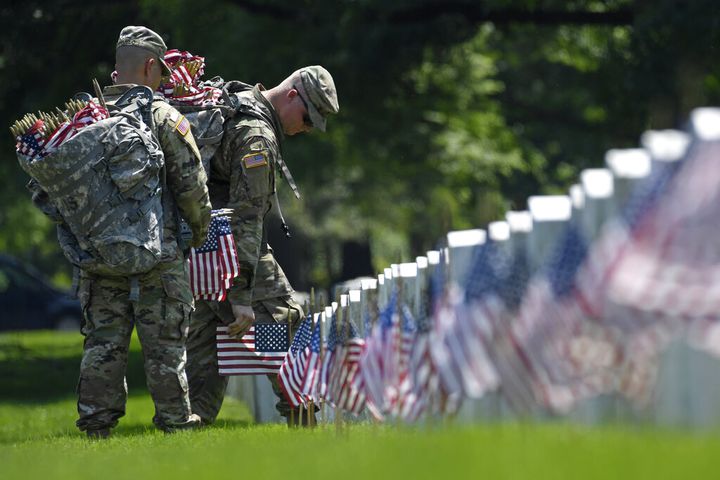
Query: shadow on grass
[
  {"x": 140, "y": 429},
  {"x": 123, "y": 430},
  {"x": 40, "y": 370}
]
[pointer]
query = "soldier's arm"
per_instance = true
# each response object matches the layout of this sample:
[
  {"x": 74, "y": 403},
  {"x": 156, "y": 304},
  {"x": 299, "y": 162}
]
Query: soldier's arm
[
  {"x": 185, "y": 175},
  {"x": 41, "y": 200},
  {"x": 250, "y": 191}
]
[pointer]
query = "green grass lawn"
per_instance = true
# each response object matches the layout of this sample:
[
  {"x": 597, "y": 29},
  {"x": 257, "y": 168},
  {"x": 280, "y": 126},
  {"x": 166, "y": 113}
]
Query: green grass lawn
[{"x": 38, "y": 438}]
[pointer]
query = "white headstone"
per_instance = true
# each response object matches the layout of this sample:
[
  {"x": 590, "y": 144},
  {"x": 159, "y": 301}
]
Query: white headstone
[
  {"x": 628, "y": 166},
  {"x": 665, "y": 146},
  {"x": 577, "y": 197},
  {"x": 461, "y": 245},
  {"x": 705, "y": 123},
  {"x": 597, "y": 185},
  {"x": 499, "y": 231},
  {"x": 550, "y": 214}
]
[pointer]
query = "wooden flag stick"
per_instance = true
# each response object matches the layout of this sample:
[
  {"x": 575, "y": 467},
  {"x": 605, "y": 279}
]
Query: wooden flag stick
[
  {"x": 310, "y": 414},
  {"x": 289, "y": 336},
  {"x": 398, "y": 309},
  {"x": 300, "y": 415},
  {"x": 319, "y": 303},
  {"x": 338, "y": 410},
  {"x": 98, "y": 92},
  {"x": 311, "y": 311}
]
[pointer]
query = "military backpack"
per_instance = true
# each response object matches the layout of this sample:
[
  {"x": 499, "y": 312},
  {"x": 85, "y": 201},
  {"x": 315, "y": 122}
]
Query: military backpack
[
  {"x": 106, "y": 182},
  {"x": 207, "y": 121}
]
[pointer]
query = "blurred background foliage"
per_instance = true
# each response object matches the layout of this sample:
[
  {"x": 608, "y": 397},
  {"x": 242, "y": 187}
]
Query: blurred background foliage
[{"x": 452, "y": 112}]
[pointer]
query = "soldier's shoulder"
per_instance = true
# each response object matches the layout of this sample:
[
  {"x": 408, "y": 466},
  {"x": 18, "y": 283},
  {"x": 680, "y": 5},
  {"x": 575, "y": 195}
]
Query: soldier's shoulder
[
  {"x": 162, "y": 110},
  {"x": 249, "y": 128},
  {"x": 246, "y": 121},
  {"x": 168, "y": 118}
]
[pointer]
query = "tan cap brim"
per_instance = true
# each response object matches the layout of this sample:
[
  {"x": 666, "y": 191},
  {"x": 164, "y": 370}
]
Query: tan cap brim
[
  {"x": 166, "y": 70},
  {"x": 316, "y": 118}
]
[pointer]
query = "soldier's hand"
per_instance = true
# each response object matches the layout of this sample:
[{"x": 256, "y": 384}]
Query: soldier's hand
[{"x": 244, "y": 317}]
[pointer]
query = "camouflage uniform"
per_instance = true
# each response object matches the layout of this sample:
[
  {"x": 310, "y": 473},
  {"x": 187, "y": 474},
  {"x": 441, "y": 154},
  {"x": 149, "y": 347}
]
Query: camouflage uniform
[
  {"x": 162, "y": 313},
  {"x": 242, "y": 177}
]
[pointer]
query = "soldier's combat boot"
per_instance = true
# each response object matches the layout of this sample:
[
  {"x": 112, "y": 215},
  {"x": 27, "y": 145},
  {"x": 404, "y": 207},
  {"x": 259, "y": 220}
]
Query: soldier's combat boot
[
  {"x": 99, "y": 434},
  {"x": 193, "y": 422}
]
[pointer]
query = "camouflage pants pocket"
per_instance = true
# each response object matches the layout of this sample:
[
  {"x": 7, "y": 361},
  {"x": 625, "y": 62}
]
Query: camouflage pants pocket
[
  {"x": 84, "y": 295},
  {"x": 175, "y": 322},
  {"x": 175, "y": 313}
]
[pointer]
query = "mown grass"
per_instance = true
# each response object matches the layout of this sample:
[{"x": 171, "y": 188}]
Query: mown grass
[{"x": 38, "y": 439}]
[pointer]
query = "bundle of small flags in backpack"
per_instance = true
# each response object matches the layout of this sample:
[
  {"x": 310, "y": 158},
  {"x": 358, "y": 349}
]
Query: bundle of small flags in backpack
[
  {"x": 183, "y": 85},
  {"x": 39, "y": 135}
]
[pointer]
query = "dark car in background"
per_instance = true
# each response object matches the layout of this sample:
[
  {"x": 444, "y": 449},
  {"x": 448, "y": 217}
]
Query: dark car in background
[{"x": 29, "y": 302}]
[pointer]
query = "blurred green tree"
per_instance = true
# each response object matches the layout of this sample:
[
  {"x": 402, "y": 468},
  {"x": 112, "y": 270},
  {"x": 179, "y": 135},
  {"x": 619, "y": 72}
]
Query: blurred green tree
[{"x": 451, "y": 112}]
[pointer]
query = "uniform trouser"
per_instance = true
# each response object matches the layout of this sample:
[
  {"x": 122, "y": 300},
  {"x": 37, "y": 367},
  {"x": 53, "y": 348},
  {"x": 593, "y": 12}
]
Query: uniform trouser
[
  {"x": 161, "y": 315},
  {"x": 207, "y": 386}
]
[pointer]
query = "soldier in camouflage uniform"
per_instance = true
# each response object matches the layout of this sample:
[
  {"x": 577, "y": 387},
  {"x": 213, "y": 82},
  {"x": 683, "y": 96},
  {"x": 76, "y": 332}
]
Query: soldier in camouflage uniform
[
  {"x": 242, "y": 177},
  {"x": 161, "y": 311}
]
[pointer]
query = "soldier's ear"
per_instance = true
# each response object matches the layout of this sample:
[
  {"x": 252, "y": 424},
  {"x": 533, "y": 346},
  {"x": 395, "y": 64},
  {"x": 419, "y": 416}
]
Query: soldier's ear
[{"x": 148, "y": 67}]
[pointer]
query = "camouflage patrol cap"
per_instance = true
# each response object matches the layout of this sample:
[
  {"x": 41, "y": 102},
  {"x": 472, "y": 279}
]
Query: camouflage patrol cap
[
  {"x": 317, "y": 88},
  {"x": 143, "y": 37}
]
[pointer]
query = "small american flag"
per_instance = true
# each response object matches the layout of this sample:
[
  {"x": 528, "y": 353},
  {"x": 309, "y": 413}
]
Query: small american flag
[
  {"x": 214, "y": 265},
  {"x": 350, "y": 394},
  {"x": 323, "y": 387},
  {"x": 310, "y": 369},
  {"x": 474, "y": 327},
  {"x": 260, "y": 351},
  {"x": 447, "y": 356},
  {"x": 409, "y": 339},
  {"x": 30, "y": 144},
  {"x": 377, "y": 364},
  {"x": 289, "y": 376},
  {"x": 339, "y": 381},
  {"x": 416, "y": 386}
]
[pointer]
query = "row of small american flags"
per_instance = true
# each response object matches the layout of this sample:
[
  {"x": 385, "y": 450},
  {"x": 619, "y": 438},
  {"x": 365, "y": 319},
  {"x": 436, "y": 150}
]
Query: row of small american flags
[
  {"x": 592, "y": 320},
  {"x": 389, "y": 373}
]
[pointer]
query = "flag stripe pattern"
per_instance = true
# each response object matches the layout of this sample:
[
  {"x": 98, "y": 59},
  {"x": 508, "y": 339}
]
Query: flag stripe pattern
[
  {"x": 214, "y": 265},
  {"x": 292, "y": 367}
]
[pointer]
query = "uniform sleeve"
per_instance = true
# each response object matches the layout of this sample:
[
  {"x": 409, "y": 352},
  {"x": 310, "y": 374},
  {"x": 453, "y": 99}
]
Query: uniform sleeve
[
  {"x": 185, "y": 175},
  {"x": 41, "y": 200},
  {"x": 250, "y": 198}
]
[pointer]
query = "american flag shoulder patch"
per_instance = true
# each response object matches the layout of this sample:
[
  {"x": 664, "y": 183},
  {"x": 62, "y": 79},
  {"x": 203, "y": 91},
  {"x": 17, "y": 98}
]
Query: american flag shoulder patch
[
  {"x": 255, "y": 159},
  {"x": 182, "y": 126}
]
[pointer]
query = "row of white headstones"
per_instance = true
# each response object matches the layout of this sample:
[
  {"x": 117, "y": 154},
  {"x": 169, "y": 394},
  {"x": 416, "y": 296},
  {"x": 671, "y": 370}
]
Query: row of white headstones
[{"x": 687, "y": 393}]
